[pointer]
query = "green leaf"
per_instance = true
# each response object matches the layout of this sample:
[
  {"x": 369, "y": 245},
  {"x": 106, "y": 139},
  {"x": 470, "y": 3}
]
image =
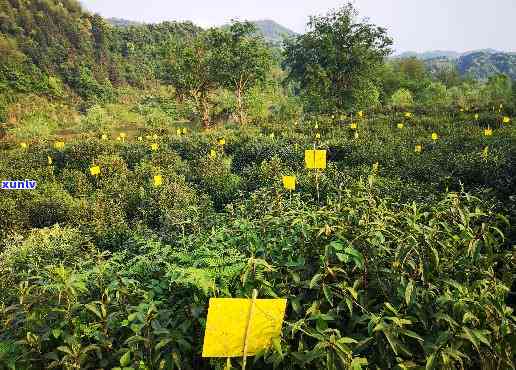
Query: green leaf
[
  {"x": 328, "y": 294},
  {"x": 358, "y": 362},
  {"x": 430, "y": 362},
  {"x": 125, "y": 360},
  {"x": 408, "y": 292},
  {"x": 276, "y": 342},
  {"x": 315, "y": 280}
]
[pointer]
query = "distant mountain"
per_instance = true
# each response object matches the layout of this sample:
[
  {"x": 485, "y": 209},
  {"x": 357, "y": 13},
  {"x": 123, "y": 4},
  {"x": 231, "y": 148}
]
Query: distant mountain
[
  {"x": 446, "y": 54},
  {"x": 429, "y": 54},
  {"x": 482, "y": 65},
  {"x": 479, "y": 64},
  {"x": 119, "y": 22},
  {"x": 273, "y": 31}
]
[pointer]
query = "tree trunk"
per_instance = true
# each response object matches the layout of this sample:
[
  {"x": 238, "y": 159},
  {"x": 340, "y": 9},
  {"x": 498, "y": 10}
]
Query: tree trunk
[
  {"x": 205, "y": 109},
  {"x": 240, "y": 104}
]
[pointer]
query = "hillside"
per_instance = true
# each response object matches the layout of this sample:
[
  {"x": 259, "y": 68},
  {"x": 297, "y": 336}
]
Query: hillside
[
  {"x": 478, "y": 64},
  {"x": 54, "y": 47},
  {"x": 272, "y": 31},
  {"x": 482, "y": 65}
]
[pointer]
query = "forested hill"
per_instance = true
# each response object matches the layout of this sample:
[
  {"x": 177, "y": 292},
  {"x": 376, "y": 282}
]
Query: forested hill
[
  {"x": 272, "y": 31},
  {"x": 56, "y": 48},
  {"x": 478, "y": 64}
]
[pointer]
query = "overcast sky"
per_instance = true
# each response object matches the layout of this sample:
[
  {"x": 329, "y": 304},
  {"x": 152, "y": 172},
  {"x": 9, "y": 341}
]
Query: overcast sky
[{"x": 416, "y": 25}]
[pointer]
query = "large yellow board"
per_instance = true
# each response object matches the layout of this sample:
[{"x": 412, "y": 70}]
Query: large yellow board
[
  {"x": 315, "y": 159},
  {"x": 227, "y": 322}
]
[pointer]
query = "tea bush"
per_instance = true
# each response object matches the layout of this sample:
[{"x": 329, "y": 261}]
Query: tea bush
[{"x": 389, "y": 258}]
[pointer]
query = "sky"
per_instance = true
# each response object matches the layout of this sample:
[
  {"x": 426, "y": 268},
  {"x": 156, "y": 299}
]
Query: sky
[{"x": 414, "y": 25}]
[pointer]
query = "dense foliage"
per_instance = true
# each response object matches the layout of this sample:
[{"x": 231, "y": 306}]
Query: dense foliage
[{"x": 403, "y": 264}]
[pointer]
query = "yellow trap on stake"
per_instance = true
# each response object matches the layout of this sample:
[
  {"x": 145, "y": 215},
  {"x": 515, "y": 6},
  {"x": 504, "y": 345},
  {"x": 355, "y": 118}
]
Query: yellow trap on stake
[
  {"x": 95, "y": 170},
  {"x": 289, "y": 182},
  {"x": 242, "y": 327},
  {"x": 315, "y": 159}
]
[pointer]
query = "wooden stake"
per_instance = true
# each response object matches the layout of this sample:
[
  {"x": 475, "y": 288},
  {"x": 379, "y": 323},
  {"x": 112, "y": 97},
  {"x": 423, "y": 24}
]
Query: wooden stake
[{"x": 248, "y": 328}]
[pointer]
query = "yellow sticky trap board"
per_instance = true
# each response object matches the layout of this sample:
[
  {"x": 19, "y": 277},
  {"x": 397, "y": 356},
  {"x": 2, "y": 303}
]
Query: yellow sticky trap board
[
  {"x": 315, "y": 159},
  {"x": 227, "y": 322},
  {"x": 213, "y": 154},
  {"x": 24, "y": 145},
  {"x": 506, "y": 120},
  {"x": 289, "y": 182},
  {"x": 154, "y": 146},
  {"x": 221, "y": 141},
  {"x": 49, "y": 160},
  {"x": 354, "y": 126},
  {"x": 158, "y": 180},
  {"x": 104, "y": 137},
  {"x": 408, "y": 114},
  {"x": 400, "y": 125},
  {"x": 140, "y": 138},
  {"x": 123, "y": 135},
  {"x": 317, "y": 135},
  {"x": 59, "y": 145},
  {"x": 95, "y": 170},
  {"x": 488, "y": 132},
  {"x": 435, "y": 136},
  {"x": 360, "y": 114},
  {"x": 418, "y": 148}
]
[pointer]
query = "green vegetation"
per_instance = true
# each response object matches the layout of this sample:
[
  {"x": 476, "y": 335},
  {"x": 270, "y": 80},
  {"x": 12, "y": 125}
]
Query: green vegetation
[{"x": 400, "y": 254}]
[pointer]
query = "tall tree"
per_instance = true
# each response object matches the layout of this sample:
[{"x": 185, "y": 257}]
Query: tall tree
[
  {"x": 189, "y": 70},
  {"x": 241, "y": 60},
  {"x": 335, "y": 57}
]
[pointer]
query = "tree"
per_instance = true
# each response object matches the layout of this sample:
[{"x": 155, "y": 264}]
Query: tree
[
  {"x": 402, "y": 99},
  {"x": 240, "y": 60},
  {"x": 498, "y": 90},
  {"x": 435, "y": 96},
  {"x": 189, "y": 70},
  {"x": 334, "y": 58}
]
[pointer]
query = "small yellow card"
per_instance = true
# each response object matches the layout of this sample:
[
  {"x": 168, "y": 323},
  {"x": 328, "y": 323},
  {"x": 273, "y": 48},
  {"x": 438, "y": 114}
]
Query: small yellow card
[
  {"x": 289, "y": 182},
  {"x": 158, "y": 180},
  {"x": 435, "y": 136},
  {"x": 488, "y": 132},
  {"x": 213, "y": 154},
  {"x": 418, "y": 148},
  {"x": 154, "y": 146},
  {"x": 315, "y": 159},
  {"x": 95, "y": 170},
  {"x": 506, "y": 120},
  {"x": 400, "y": 125},
  {"x": 59, "y": 145},
  {"x": 24, "y": 145},
  {"x": 221, "y": 141}
]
